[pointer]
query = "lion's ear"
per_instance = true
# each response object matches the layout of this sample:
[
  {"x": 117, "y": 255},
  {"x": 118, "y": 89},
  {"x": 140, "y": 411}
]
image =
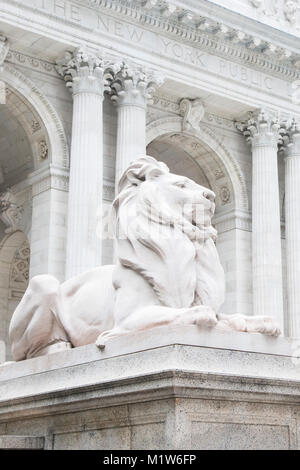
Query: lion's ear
[
  {"x": 153, "y": 173},
  {"x": 134, "y": 177},
  {"x": 142, "y": 169},
  {"x": 144, "y": 174}
]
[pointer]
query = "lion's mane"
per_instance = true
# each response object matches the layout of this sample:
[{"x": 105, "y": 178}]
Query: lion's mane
[{"x": 178, "y": 259}]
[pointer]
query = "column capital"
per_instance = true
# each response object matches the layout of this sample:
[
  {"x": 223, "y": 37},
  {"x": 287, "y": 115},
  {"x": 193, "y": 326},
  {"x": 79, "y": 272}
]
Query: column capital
[
  {"x": 262, "y": 128},
  {"x": 85, "y": 71},
  {"x": 292, "y": 139},
  {"x": 134, "y": 85},
  {"x": 4, "y": 48}
]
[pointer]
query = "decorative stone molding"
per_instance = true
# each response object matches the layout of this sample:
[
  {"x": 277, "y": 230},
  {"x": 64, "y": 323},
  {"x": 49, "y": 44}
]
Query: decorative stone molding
[
  {"x": 232, "y": 220},
  {"x": 34, "y": 63},
  {"x": 207, "y": 34},
  {"x": 49, "y": 178},
  {"x": 84, "y": 71},
  {"x": 193, "y": 112},
  {"x": 4, "y": 48},
  {"x": 19, "y": 275},
  {"x": 134, "y": 84},
  {"x": 10, "y": 211}
]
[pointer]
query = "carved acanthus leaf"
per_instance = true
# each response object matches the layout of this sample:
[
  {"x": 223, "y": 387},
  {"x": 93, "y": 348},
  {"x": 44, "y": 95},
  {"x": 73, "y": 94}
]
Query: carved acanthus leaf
[
  {"x": 134, "y": 83},
  {"x": 87, "y": 71}
]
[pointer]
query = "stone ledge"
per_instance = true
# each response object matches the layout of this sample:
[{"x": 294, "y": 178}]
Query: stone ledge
[
  {"x": 165, "y": 361},
  {"x": 165, "y": 388},
  {"x": 152, "y": 339}
]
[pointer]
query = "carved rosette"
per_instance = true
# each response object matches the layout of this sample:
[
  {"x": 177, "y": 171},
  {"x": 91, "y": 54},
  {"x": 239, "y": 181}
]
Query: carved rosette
[
  {"x": 262, "y": 128},
  {"x": 86, "y": 72},
  {"x": 134, "y": 85},
  {"x": 192, "y": 112},
  {"x": 10, "y": 211},
  {"x": 20, "y": 268}
]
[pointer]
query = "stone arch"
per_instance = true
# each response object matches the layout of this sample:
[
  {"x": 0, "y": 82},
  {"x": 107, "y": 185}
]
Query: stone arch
[
  {"x": 42, "y": 109},
  {"x": 14, "y": 275},
  {"x": 219, "y": 164}
]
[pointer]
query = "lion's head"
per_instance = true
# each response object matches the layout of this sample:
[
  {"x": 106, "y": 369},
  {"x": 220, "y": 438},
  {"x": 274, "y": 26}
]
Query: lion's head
[{"x": 164, "y": 232}]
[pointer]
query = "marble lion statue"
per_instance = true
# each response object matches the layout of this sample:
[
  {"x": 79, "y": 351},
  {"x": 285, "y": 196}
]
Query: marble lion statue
[{"x": 167, "y": 272}]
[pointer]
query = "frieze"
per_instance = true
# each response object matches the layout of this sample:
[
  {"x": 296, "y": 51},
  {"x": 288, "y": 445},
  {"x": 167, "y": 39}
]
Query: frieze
[
  {"x": 197, "y": 36},
  {"x": 25, "y": 60}
]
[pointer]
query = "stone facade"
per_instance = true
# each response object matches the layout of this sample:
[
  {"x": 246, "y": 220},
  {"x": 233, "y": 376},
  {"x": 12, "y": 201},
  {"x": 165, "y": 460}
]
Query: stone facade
[{"x": 186, "y": 82}]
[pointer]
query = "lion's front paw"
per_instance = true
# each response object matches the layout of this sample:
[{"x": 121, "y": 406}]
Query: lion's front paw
[
  {"x": 257, "y": 324},
  {"x": 264, "y": 325},
  {"x": 200, "y": 315}
]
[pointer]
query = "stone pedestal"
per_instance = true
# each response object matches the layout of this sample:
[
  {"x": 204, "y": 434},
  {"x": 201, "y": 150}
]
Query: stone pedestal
[{"x": 166, "y": 388}]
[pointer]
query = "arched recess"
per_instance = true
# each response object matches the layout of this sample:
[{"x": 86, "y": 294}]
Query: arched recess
[
  {"x": 219, "y": 166},
  {"x": 44, "y": 195},
  {"x": 40, "y": 107},
  {"x": 14, "y": 275}
]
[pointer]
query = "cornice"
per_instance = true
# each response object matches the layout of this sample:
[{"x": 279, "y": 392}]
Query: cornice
[
  {"x": 50, "y": 177},
  {"x": 205, "y": 33}
]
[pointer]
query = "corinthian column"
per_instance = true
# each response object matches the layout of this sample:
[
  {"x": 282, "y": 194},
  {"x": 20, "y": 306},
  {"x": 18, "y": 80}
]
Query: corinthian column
[
  {"x": 86, "y": 74},
  {"x": 263, "y": 131},
  {"x": 131, "y": 90},
  {"x": 292, "y": 228}
]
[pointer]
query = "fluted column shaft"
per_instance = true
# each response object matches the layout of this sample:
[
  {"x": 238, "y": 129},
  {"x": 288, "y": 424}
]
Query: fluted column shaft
[
  {"x": 263, "y": 133},
  {"x": 85, "y": 190},
  {"x": 132, "y": 88},
  {"x": 85, "y": 73},
  {"x": 292, "y": 232},
  {"x": 131, "y": 136},
  {"x": 266, "y": 232}
]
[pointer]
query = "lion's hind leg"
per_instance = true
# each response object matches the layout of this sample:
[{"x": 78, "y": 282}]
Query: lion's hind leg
[{"x": 35, "y": 328}]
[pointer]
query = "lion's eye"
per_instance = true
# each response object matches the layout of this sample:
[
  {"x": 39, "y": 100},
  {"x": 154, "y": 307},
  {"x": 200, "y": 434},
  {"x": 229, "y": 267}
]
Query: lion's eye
[{"x": 180, "y": 184}]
